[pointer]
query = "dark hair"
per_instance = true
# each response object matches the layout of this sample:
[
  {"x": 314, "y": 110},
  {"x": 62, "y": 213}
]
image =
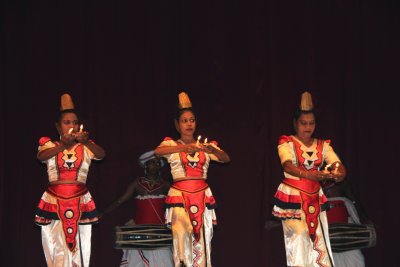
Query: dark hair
[
  {"x": 61, "y": 114},
  {"x": 298, "y": 112},
  {"x": 179, "y": 112}
]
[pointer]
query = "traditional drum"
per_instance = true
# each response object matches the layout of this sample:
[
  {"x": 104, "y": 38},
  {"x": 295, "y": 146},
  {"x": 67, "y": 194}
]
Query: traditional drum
[
  {"x": 142, "y": 236},
  {"x": 347, "y": 236}
]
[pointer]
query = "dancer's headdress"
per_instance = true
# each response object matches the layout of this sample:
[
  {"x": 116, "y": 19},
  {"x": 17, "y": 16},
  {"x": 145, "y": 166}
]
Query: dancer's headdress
[
  {"x": 66, "y": 103},
  {"x": 306, "y": 102},
  {"x": 148, "y": 156},
  {"x": 184, "y": 103}
]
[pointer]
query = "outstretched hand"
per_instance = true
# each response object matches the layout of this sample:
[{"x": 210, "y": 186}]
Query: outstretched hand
[
  {"x": 67, "y": 139},
  {"x": 319, "y": 176},
  {"x": 209, "y": 149},
  {"x": 82, "y": 137},
  {"x": 191, "y": 148}
]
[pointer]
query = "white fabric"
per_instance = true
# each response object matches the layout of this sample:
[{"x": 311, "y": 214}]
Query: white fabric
[
  {"x": 352, "y": 258},
  {"x": 150, "y": 197},
  {"x": 147, "y": 258},
  {"x": 300, "y": 250},
  {"x": 56, "y": 250},
  {"x": 196, "y": 254}
]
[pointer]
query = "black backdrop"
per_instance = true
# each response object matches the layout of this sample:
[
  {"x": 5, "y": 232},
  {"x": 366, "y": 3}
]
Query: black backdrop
[{"x": 243, "y": 63}]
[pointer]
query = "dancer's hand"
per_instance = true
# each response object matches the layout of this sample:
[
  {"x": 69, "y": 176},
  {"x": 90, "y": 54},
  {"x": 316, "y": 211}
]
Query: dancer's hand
[
  {"x": 209, "y": 149},
  {"x": 67, "y": 139},
  {"x": 191, "y": 148},
  {"x": 319, "y": 176},
  {"x": 82, "y": 137}
]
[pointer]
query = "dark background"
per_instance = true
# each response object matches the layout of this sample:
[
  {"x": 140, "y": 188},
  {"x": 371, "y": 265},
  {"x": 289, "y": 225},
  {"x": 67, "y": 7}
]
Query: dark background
[{"x": 244, "y": 65}]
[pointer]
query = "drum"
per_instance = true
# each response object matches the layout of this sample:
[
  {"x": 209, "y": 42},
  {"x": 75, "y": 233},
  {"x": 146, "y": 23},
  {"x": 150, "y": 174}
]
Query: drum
[
  {"x": 348, "y": 236},
  {"x": 142, "y": 236}
]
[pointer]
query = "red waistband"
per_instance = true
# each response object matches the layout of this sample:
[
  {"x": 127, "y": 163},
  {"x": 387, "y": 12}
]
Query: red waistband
[
  {"x": 67, "y": 191},
  {"x": 191, "y": 186},
  {"x": 305, "y": 185}
]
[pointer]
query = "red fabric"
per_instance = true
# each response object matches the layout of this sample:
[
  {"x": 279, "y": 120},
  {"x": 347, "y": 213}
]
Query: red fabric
[
  {"x": 311, "y": 201},
  {"x": 287, "y": 198},
  {"x": 305, "y": 185},
  {"x": 168, "y": 138},
  {"x": 338, "y": 213},
  {"x": 147, "y": 186},
  {"x": 70, "y": 225},
  {"x": 295, "y": 198},
  {"x": 284, "y": 139},
  {"x": 88, "y": 207},
  {"x": 190, "y": 185},
  {"x": 44, "y": 140},
  {"x": 149, "y": 214},
  {"x": 70, "y": 172},
  {"x": 300, "y": 158},
  {"x": 193, "y": 168},
  {"x": 214, "y": 142},
  {"x": 195, "y": 205},
  {"x": 67, "y": 191}
]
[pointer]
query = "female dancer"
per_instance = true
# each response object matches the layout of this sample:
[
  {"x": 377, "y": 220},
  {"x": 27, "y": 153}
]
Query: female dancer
[
  {"x": 66, "y": 211},
  {"x": 190, "y": 203},
  {"x": 299, "y": 201}
]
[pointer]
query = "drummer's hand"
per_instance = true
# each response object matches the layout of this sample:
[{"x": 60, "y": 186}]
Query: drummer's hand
[
  {"x": 191, "y": 148},
  {"x": 67, "y": 139},
  {"x": 82, "y": 137}
]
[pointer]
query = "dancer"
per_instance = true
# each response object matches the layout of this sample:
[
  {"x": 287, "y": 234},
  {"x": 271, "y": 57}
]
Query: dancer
[
  {"x": 150, "y": 192},
  {"x": 299, "y": 201},
  {"x": 190, "y": 203},
  {"x": 67, "y": 211}
]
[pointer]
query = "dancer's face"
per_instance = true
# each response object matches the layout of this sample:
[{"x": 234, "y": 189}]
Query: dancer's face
[
  {"x": 187, "y": 123},
  {"x": 305, "y": 125},
  {"x": 68, "y": 121}
]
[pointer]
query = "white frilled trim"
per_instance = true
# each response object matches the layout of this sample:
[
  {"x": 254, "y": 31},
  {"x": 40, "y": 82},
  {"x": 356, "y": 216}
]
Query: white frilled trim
[{"x": 150, "y": 197}]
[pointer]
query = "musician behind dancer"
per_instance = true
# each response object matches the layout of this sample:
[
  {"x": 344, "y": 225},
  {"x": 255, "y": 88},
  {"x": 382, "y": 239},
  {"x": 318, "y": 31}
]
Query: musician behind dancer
[
  {"x": 150, "y": 192},
  {"x": 344, "y": 208}
]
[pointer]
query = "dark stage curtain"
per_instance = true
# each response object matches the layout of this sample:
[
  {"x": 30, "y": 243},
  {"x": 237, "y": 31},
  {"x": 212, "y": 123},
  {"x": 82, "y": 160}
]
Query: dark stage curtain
[{"x": 243, "y": 63}]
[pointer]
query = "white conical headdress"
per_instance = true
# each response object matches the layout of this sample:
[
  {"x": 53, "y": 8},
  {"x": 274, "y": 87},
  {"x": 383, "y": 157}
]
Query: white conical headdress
[{"x": 306, "y": 102}]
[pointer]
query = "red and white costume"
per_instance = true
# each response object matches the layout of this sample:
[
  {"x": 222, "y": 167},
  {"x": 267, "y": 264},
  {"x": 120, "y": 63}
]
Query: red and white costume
[
  {"x": 66, "y": 211},
  {"x": 300, "y": 204},
  {"x": 190, "y": 206},
  {"x": 342, "y": 210},
  {"x": 149, "y": 210}
]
